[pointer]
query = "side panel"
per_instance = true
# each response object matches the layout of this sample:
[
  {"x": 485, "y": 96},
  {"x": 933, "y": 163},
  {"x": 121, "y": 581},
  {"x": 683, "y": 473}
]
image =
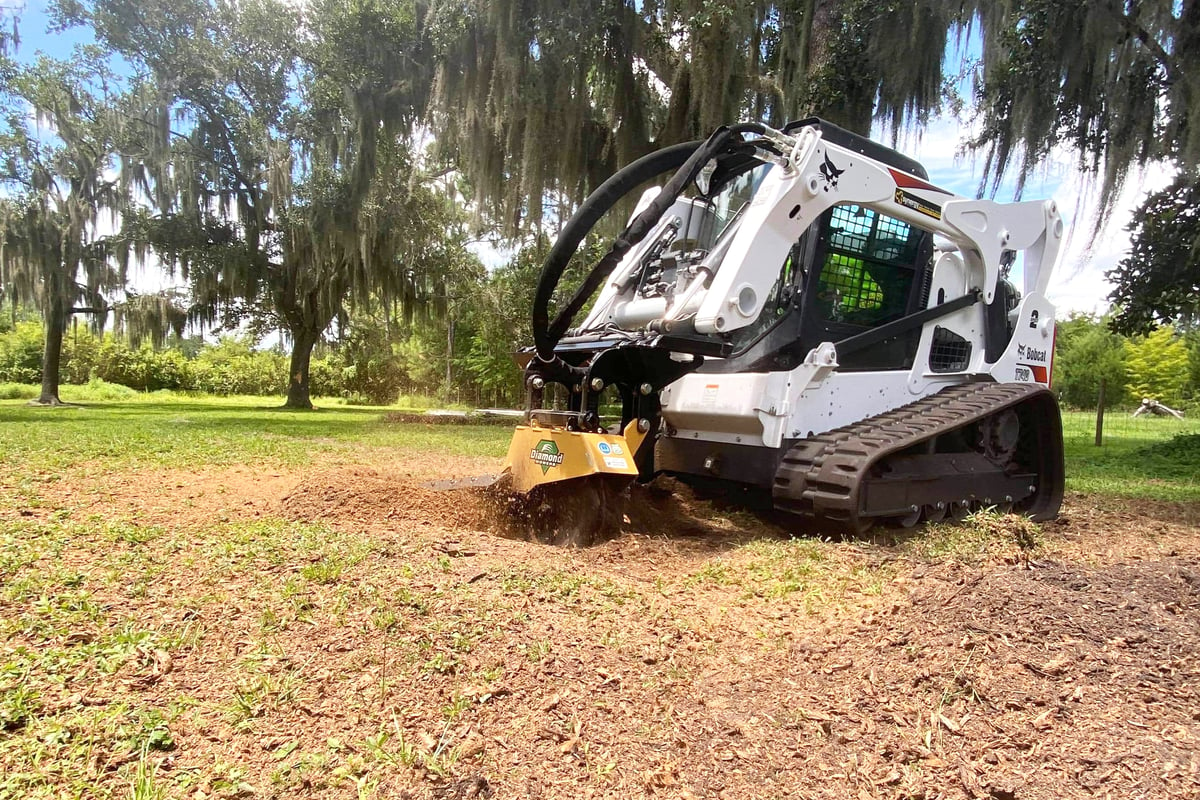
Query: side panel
[
  {"x": 1027, "y": 357},
  {"x": 847, "y": 397},
  {"x": 732, "y": 408},
  {"x": 722, "y": 408}
]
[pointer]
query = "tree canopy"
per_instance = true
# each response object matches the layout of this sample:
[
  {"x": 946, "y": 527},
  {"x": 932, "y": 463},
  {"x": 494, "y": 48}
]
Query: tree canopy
[
  {"x": 295, "y": 189},
  {"x": 1117, "y": 82},
  {"x": 1158, "y": 282},
  {"x": 282, "y": 161},
  {"x": 538, "y": 97},
  {"x": 67, "y": 186}
]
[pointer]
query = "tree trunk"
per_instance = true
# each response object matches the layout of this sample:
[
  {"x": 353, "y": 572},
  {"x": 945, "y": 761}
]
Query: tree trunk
[
  {"x": 56, "y": 326},
  {"x": 850, "y": 104},
  {"x": 449, "y": 355},
  {"x": 303, "y": 342}
]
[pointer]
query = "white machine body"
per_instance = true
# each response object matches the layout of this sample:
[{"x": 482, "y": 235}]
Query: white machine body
[{"x": 978, "y": 245}]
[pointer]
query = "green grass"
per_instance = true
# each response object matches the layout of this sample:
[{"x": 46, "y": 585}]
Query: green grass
[
  {"x": 74, "y": 626},
  {"x": 1140, "y": 457},
  {"x": 167, "y": 430},
  {"x": 163, "y": 429}
]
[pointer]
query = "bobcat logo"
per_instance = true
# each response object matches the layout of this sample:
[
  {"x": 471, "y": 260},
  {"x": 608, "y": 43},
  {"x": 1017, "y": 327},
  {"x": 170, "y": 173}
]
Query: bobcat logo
[
  {"x": 830, "y": 173},
  {"x": 1020, "y": 350}
]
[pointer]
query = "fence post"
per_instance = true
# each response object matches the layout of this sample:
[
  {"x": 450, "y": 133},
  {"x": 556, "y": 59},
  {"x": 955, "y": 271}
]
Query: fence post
[{"x": 1100, "y": 417}]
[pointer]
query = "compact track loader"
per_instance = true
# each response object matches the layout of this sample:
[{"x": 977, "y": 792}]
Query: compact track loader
[{"x": 798, "y": 319}]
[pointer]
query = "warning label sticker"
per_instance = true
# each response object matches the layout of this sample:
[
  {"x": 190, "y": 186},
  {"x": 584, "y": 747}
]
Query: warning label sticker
[{"x": 908, "y": 200}]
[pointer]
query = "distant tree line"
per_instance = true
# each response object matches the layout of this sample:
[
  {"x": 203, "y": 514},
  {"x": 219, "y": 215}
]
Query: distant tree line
[
  {"x": 1162, "y": 365},
  {"x": 375, "y": 364}
]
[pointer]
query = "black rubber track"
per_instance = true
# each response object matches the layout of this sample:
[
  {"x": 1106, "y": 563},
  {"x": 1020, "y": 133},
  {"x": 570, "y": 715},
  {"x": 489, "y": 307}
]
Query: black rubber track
[{"x": 913, "y": 457}]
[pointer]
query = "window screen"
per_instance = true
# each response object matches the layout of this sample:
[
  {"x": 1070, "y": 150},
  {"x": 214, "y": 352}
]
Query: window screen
[{"x": 868, "y": 273}]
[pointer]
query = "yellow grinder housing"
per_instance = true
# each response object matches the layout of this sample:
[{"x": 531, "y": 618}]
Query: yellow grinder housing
[{"x": 539, "y": 456}]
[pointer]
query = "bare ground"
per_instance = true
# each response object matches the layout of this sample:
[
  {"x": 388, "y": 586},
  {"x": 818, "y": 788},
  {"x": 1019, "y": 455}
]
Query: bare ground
[{"x": 392, "y": 646}]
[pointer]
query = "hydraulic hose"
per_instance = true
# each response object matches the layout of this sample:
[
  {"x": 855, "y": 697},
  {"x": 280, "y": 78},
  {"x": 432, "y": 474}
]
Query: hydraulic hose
[{"x": 687, "y": 159}]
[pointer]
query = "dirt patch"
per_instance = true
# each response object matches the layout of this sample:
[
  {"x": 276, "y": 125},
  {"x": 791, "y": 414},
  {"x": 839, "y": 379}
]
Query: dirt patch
[
  {"x": 366, "y": 496},
  {"x": 1042, "y": 683},
  {"x": 167, "y": 497},
  {"x": 403, "y": 650},
  {"x": 370, "y": 497}
]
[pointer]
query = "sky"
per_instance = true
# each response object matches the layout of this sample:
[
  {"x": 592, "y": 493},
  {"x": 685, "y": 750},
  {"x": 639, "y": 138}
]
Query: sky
[{"x": 1078, "y": 283}]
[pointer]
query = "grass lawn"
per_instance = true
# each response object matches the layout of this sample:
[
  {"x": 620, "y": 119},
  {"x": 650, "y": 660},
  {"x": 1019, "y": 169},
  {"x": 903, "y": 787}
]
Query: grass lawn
[
  {"x": 1143, "y": 457},
  {"x": 179, "y": 431},
  {"x": 215, "y": 598},
  {"x": 1136, "y": 460}
]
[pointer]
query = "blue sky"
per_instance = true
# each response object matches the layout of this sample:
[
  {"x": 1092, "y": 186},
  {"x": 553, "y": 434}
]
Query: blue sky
[
  {"x": 1078, "y": 283},
  {"x": 34, "y": 37}
]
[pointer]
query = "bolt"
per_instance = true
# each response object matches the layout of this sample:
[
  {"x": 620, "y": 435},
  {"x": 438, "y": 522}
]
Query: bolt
[
  {"x": 646, "y": 388},
  {"x": 1008, "y": 498},
  {"x": 538, "y": 383},
  {"x": 1032, "y": 489},
  {"x": 643, "y": 425},
  {"x": 914, "y": 509},
  {"x": 597, "y": 384},
  {"x": 940, "y": 505}
]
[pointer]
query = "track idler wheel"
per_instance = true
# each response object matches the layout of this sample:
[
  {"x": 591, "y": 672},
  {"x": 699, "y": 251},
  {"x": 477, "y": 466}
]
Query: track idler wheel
[
  {"x": 911, "y": 519},
  {"x": 935, "y": 512},
  {"x": 960, "y": 510}
]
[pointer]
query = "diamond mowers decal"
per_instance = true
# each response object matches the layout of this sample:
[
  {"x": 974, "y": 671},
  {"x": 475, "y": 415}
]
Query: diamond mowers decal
[{"x": 546, "y": 455}]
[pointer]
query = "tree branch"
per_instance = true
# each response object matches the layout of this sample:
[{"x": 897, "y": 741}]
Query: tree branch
[{"x": 1169, "y": 64}]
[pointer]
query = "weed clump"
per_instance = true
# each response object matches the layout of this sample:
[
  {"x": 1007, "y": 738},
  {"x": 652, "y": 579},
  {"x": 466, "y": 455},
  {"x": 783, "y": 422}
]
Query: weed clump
[
  {"x": 983, "y": 535},
  {"x": 1178, "y": 456}
]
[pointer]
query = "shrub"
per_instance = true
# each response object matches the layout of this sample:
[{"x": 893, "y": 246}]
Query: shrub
[
  {"x": 97, "y": 389},
  {"x": 19, "y": 391},
  {"x": 21, "y": 354},
  {"x": 327, "y": 376}
]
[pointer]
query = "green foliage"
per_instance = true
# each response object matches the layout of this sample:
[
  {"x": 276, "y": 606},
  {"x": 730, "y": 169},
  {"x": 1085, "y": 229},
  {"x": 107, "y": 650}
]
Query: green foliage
[
  {"x": 1181, "y": 454},
  {"x": 21, "y": 353},
  {"x": 1086, "y": 353},
  {"x": 1192, "y": 340},
  {"x": 232, "y": 366},
  {"x": 18, "y": 391},
  {"x": 1158, "y": 282},
  {"x": 101, "y": 390},
  {"x": 1158, "y": 366},
  {"x": 370, "y": 366}
]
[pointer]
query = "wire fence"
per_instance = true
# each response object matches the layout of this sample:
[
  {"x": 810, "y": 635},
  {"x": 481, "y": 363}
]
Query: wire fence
[{"x": 1079, "y": 427}]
